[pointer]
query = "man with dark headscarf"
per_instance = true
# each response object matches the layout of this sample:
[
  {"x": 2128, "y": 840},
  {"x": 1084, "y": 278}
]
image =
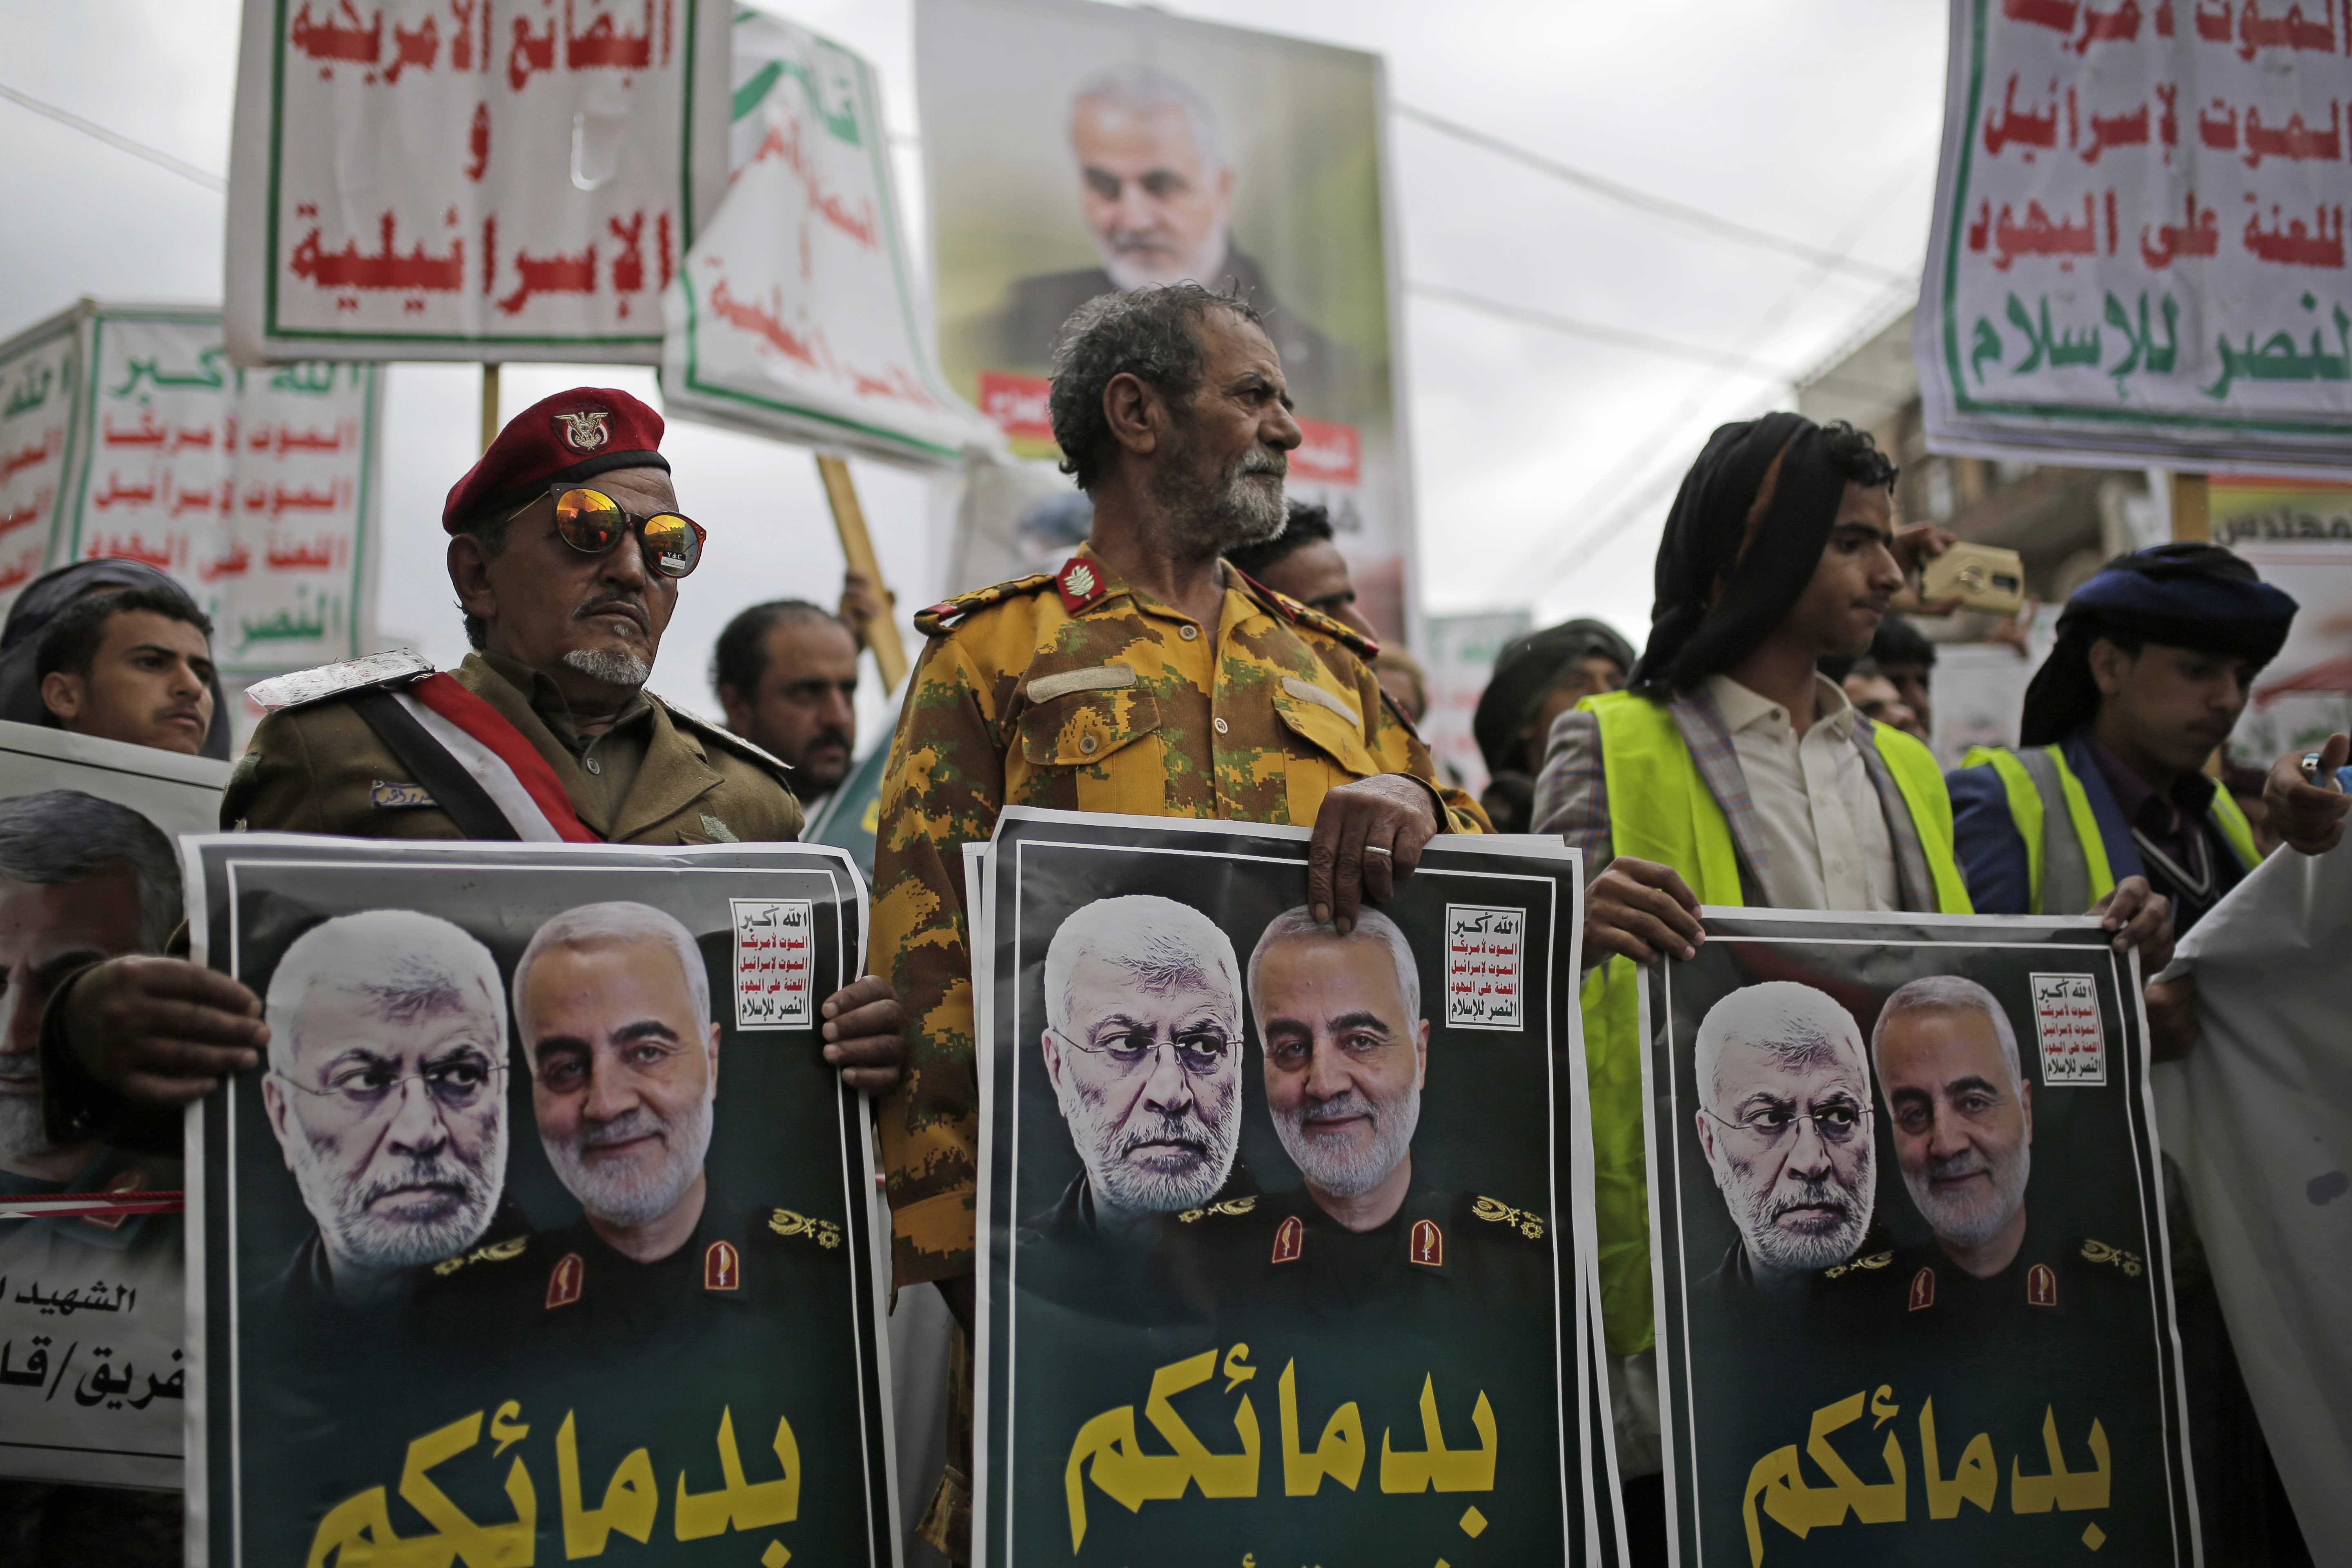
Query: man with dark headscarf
[
  {"x": 43, "y": 600},
  {"x": 2155, "y": 659},
  {"x": 1733, "y": 768},
  {"x": 1538, "y": 677}
]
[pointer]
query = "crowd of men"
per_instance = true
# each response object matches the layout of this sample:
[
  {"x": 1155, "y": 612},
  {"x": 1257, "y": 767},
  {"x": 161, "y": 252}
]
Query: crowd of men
[{"x": 1199, "y": 656}]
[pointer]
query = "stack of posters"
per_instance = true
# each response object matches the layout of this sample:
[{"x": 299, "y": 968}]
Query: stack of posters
[
  {"x": 1286, "y": 1232},
  {"x": 493, "y": 1271},
  {"x": 1908, "y": 1223},
  {"x": 92, "y": 1268}
]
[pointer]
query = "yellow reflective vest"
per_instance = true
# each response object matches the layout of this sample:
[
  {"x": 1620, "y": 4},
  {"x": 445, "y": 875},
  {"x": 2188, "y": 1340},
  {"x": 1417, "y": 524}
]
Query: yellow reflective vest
[
  {"x": 2067, "y": 870},
  {"x": 1660, "y": 809}
]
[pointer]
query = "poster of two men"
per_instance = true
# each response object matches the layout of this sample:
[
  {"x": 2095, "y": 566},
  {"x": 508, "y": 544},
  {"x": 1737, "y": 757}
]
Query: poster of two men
[
  {"x": 491, "y": 1265},
  {"x": 1283, "y": 1256}
]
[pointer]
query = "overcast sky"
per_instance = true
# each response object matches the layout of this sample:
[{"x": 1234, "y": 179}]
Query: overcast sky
[{"x": 1543, "y": 463}]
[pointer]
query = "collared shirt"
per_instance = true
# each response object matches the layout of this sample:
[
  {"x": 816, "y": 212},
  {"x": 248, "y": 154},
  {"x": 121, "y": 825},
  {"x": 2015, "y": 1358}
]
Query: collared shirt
[
  {"x": 2179, "y": 825},
  {"x": 1823, "y": 828},
  {"x": 611, "y": 759},
  {"x": 1086, "y": 695}
]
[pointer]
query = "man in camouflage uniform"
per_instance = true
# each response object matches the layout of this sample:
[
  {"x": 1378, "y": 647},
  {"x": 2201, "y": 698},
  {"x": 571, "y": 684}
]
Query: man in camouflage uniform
[
  {"x": 554, "y": 738},
  {"x": 1143, "y": 677}
]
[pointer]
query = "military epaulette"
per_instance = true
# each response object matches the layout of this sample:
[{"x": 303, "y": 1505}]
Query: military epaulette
[
  {"x": 1231, "y": 1208},
  {"x": 1859, "y": 1265},
  {"x": 1530, "y": 1225},
  {"x": 395, "y": 667},
  {"x": 1313, "y": 620},
  {"x": 686, "y": 719},
  {"x": 945, "y": 615},
  {"x": 823, "y": 1232},
  {"x": 2114, "y": 1256},
  {"x": 494, "y": 1252}
]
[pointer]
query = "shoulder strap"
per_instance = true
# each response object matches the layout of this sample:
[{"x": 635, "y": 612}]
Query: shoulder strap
[
  {"x": 2025, "y": 811},
  {"x": 1924, "y": 845},
  {"x": 2231, "y": 817},
  {"x": 2076, "y": 874},
  {"x": 465, "y": 802}
]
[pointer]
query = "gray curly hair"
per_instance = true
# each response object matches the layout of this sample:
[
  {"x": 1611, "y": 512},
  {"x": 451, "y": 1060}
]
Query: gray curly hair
[{"x": 1151, "y": 334}]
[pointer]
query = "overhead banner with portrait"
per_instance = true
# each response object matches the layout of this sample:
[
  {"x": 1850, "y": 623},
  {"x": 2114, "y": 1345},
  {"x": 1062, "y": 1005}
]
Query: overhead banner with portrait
[
  {"x": 1286, "y": 1231},
  {"x": 1073, "y": 149},
  {"x": 1908, "y": 1223},
  {"x": 93, "y": 1269},
  {"x": 492, "y": 1269}
]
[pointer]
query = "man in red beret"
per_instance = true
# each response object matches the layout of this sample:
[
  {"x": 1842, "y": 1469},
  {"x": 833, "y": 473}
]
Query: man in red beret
[{"x": 566, "y": 551}]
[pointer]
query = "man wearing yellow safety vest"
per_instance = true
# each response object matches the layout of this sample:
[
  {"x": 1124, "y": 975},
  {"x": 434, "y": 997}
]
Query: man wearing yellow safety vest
[
  {"x": 2155, "y": 660},
  {"x": 1732, "y": 772}
]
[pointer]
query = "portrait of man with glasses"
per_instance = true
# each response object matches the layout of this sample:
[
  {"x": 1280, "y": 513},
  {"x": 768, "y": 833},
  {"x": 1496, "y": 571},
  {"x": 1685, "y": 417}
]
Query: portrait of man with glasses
[
  {"x": 387, "y": 1092},
  {"x": 1142, "y": 1046},
  {"x": 1784, "y": 1121}
]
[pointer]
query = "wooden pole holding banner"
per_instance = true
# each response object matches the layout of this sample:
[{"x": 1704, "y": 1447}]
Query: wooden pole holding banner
[
  {"x": 2192, "y": 510},
  {"x": 490, "y": 405},
  {"x": 857, "y": 547}
]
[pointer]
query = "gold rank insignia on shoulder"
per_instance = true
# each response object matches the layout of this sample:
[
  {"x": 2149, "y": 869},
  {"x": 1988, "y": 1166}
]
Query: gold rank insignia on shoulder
[
  {"x": 1876, "y": 1261},
  {"x": 2100, "y": 1252},
  {"x": 1527, "y": 1225},
  {"x": 2041, "y": 1285},
  {"x": 1923, "y": 1290},
  {"x": 1289, "y": 1240},
  {"x": 1428, "y": 1244},
  {"x": 722, "y": 1267},
  {"x": 496, "y": 1252},
  {"x": 945, "y": 615},
  {"x": 823, "y": 1232},
  {"x": 563, "y": 1284},
  {"x": 1232, "y": 1207}
]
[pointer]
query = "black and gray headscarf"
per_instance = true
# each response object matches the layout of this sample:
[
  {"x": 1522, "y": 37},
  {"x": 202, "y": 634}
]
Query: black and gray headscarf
[
  {"x": 37, "y": 606},
  {"x": 1742, "y": 541}
]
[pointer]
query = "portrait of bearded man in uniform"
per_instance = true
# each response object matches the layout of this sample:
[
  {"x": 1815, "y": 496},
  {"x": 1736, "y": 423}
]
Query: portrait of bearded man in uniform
[
  {"x": 387, "y": 1092},
  {"x": 1143, "y": 1045}
]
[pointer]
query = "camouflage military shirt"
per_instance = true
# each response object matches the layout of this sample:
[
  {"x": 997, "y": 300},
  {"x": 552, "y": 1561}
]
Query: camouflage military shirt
[{"x": 1077, "y": 692}]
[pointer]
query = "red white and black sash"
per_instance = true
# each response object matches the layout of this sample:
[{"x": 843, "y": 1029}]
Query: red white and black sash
[{"x": 496, "y": 756}]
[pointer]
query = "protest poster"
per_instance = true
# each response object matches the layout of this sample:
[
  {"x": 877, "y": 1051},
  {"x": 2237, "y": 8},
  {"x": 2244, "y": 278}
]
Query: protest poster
[
  {"x": 2298, "y": 534},
  {"x": 2137, "y": 249},
  {"x": 795, "y": 315},
  {"x": 1192, "y": 1098},
  {"x": 257, "y": 489},
  {"x": 1070, "y": 149},
  {"x": 469, "y": 180},
  {"x": 1914, "y": 1301},
  {"x": 1460, "y": 654},
  {"x": 2256, "y": 1118},
  {"x": 474, "y": 1301},
  {"x": 92, "y": 1268}
]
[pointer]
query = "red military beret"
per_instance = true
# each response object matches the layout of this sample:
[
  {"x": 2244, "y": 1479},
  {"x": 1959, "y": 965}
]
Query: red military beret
[{"x": 571, "y": 436}]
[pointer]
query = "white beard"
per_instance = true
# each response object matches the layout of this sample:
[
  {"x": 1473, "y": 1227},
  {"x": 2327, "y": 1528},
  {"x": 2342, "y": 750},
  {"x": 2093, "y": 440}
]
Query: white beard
[
  {"x": 637, "y": 1195},
  {"x": 1974, "y": 1223},
  {"x": 1350, "y": 1174},
  {"x": 609, "y": 665},
  {"x": 22, "y": 1132},
  {"x": 1129, "y": 270},
  {"x": 341, "y": 1208}
]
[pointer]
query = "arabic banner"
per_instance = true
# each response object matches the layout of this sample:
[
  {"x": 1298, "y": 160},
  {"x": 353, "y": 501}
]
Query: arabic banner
[
  {"x": 1913, "y": 1301},
  {"x": 92, "y": 1265},
  {"x": 469, "y": 179},
  {"x": 132, "y": 437},
  {"x": 795, "y": 314},
  {"x": 2139, "y": 242},
  {"x": 1070, "y": 149},
  {"x": 485, "y": 1303},
  {"x": 1283, "y": 1254},
  {"x": 2256, "y": 1115}
]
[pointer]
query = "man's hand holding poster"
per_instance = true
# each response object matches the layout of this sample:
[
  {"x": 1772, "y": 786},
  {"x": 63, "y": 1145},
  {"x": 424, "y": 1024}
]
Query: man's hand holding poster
[
  {"x": 1283, "y": 1254},
  {"x": 492, "y": 1267},
  {"x": 1907, "y": 1219}
]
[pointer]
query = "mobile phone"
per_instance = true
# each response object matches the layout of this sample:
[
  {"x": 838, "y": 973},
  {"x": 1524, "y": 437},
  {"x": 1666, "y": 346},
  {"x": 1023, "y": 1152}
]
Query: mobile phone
[{"x": 1983, "y": 577}]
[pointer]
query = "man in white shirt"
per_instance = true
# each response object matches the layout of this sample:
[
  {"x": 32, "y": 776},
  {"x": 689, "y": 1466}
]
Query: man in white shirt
[{"x": 1731, "y": 772}]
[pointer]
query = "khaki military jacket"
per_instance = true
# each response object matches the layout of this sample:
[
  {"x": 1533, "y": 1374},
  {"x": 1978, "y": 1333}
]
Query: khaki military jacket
[
  {"x": 318, "y": 768},
  {"x": 1075, "y": 692}
]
